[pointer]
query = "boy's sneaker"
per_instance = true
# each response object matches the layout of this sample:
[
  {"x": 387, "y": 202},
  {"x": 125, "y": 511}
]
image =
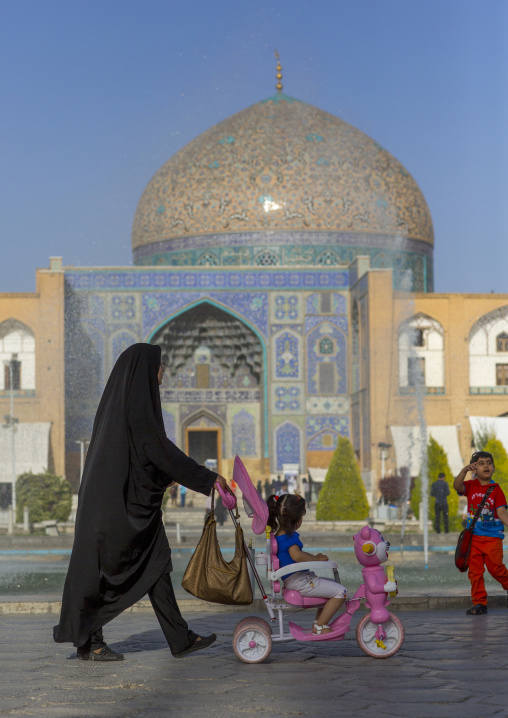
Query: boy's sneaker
[{"x": 477, "y": 610}]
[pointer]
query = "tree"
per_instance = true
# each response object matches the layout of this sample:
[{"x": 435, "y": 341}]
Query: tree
[
  {"x": 46, "y": 495},
  {"x": 342, "y": 496},
  {"x": 437, "y": 463},
  {"x": 496, "y": 448}
]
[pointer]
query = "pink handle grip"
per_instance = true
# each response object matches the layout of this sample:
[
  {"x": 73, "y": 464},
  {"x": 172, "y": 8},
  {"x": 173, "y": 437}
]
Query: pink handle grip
[{"x": 229, "y": 500}]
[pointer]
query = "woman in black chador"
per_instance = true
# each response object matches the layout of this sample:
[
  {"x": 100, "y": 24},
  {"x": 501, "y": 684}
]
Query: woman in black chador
[{"x": 120, "y": 548}]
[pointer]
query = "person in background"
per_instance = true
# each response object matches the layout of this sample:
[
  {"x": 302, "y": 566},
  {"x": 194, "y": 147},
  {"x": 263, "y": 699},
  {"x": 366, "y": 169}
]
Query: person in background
[
  {"x": 306, "y": 490},
  {"x": 259, "y": 488},
  {"x": 173, "y": 494},
  {"x": 183, "y": 493},
  {"x": 440, "y": 490},
  {"x": 267, "y": 489}
]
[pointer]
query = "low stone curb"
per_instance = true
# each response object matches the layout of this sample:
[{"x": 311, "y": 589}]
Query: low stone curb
[{"x": 407, "y": 603}]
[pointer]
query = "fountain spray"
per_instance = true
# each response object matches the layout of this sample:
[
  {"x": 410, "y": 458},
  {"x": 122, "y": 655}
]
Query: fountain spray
[{"x": 419, "y": 386}]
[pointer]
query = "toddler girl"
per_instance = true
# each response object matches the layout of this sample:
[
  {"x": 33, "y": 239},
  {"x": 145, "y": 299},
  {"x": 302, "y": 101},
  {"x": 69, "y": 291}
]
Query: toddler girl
[{"x": 285, "y": 517}]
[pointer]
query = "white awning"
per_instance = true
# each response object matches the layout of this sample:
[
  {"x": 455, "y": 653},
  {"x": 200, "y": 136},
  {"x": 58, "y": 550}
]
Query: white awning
[
  {"x": 317, "y": 475},
  {"x": 407, "y": 441},
  {"x": 31, "y": 448},
  {"x": 498, "y": 425}
]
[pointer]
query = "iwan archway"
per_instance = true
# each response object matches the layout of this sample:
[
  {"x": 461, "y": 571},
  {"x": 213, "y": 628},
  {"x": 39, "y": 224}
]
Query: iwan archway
[{"x": 215, "y": 384}]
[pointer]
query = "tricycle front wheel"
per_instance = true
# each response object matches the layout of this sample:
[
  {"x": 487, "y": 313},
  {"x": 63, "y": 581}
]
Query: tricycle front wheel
[{"x": 366, "y": 637}]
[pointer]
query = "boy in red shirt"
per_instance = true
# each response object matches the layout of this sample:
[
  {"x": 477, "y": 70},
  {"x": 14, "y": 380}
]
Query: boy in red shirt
[{"x": 488, "y": 533}]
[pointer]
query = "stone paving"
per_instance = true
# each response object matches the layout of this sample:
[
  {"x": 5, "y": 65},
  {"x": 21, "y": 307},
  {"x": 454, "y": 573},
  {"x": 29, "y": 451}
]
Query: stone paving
[{"x": 451, "y": 665}]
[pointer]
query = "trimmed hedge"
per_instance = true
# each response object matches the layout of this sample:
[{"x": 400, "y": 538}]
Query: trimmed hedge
[
  {"x": 342, "y": 497},
  {"x": 46, "y": 495}
]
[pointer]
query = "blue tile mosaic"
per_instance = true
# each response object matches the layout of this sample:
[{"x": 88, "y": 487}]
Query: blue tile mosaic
[
  {"x": 243, "y": 434},
  {"x": 287, "y": 398},
  {"x": 169, "y": 425},
  {"x": 287, "y": 364},
  {"x": 287, "y": 445},
  {"x": 326, "y": 328}
]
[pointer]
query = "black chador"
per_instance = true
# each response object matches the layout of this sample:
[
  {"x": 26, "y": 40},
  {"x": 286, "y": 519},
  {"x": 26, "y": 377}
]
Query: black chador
[{"x": 120, "y": 550}]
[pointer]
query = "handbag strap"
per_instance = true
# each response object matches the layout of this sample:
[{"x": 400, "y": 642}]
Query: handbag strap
[{"x": 480, "y": 507}]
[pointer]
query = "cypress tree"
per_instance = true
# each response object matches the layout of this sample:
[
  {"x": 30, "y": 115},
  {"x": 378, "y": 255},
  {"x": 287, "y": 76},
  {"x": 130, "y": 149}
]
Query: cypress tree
[
  {"x": 437, "y": 463},
  {"x": 342, "y": 497}
]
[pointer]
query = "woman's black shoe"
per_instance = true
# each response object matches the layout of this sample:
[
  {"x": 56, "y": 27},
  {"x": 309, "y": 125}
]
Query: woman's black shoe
[
  {"x": 197, "y": 644},
  {"x": 105, "y": 654}
]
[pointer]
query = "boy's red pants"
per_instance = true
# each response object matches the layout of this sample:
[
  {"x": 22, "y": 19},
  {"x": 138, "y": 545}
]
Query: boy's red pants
[{"x": 486, "y": 551}]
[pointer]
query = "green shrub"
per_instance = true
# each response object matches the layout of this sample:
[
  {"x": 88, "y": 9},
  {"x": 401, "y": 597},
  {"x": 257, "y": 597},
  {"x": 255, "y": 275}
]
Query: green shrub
[
  {"x": 437, "y": 462},
  {"x": 46, "y": 495},
  {"x": 496, "y": 448},
  {"x": 342, "y": 496}
]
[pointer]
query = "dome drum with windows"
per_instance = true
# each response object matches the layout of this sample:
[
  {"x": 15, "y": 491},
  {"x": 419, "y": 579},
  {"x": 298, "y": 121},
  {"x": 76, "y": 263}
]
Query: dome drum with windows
[{"x": 283, "y": 183}]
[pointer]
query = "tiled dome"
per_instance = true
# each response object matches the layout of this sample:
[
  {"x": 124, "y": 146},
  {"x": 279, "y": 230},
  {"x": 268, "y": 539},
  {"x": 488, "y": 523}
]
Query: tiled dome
[{"x": 281, "y": 165}]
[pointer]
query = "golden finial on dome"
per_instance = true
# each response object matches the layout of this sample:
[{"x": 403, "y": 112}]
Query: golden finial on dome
[{"x": 278, "y": 86}]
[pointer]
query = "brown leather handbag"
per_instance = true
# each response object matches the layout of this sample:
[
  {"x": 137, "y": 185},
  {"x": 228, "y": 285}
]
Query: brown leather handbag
[{"x": 209, "y": 577}]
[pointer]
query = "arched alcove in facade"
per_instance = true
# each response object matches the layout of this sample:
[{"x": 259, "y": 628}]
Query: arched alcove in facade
[
  {"x": 421, "y": 354},
  {"x": 488, "y": 353},
  {"x": 17, "y": 356},
  {"x": 214, "y": 367}
]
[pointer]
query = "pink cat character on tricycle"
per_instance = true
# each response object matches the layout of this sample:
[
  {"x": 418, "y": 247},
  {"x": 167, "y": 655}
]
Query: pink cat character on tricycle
[{"x": 295, "y": 585}]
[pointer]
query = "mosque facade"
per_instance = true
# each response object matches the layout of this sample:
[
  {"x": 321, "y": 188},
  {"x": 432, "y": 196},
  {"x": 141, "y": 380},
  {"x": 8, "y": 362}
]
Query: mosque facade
[{"x": 283, "y": 260}]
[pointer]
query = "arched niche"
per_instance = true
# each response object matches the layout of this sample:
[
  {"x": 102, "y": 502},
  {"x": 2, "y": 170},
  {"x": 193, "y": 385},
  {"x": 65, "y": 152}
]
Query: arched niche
[
  {"x": 17, "y": 356},
  {"x": 421, "y": 354},
  {"x": 488, "y": 352}
]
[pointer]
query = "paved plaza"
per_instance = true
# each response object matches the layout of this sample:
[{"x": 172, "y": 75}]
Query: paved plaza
[{"x": 450, "y": 665}]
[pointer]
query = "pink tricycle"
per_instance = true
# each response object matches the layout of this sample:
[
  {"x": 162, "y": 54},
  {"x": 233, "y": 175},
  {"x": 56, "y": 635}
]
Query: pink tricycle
[{"x": 379, "y": 633}]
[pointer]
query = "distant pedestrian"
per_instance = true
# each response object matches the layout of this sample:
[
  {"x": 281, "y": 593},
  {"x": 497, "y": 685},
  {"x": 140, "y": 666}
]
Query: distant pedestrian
[
  {"x": 173, "y": 494},
  {"x": 183, "y": 493},
  {"x": 259, "y": 488},
  {"x": 440, "y": 490},
  {"x": 267, "y": 489}
]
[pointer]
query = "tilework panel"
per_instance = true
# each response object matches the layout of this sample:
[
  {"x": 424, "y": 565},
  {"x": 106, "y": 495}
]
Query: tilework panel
[
  {"x": 287, "y": 399},
  {"x": 339, "y": 304},
  {"x": 341, "y": 322},
  {"x": 122, "y": 307},
  {"x": 315, "y": 424},
  {"x": 243, "y": 434},
  {"x": 287, "y": 356},
  {"x": 288, "y": 445},
  {"x": 413, "y": 267},
  {"x": 313, "y": 356},
  {"x": 120, "y": 342},
  {"x": 327, "y": 405},
  {"x": 157, "y": 307},
  {"x": 322, "y": 432},
  {"x": 169, "y": 425},
  {"x": 275, "y": 328},
  {"x": 286, "y": 308},
  {"x": 194, "y": 279}
]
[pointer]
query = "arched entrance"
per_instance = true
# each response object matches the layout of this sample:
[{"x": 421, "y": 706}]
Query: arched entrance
[{"x": 213, "y": 384}]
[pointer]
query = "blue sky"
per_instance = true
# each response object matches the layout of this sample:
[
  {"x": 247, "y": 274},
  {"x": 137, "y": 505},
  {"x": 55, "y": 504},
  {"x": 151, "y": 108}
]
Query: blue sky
[{"x": 96, "y": 96}]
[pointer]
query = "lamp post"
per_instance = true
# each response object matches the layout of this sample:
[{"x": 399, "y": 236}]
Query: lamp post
[{"x": 10, "y": 423}]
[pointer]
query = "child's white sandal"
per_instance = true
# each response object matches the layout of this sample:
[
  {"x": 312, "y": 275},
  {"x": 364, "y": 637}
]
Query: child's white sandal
[{"x": 319, "y": 629}]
